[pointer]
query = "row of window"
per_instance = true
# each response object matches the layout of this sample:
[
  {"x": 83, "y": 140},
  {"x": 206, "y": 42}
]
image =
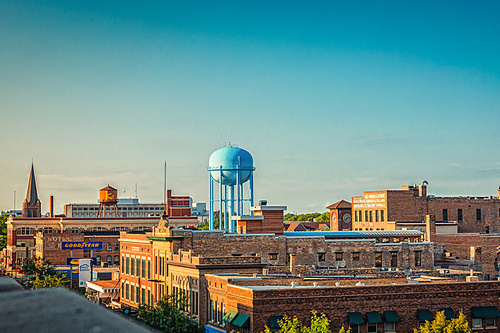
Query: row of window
[
  {"x": 369, "y": 216},
  {"x": 372, "y": 328},
  {"x": 136, "y": 294},
  {"x": 119, "y": 208},
  {"x": 136, "y": 267},
  {"x": 339, "y": 256},
  {"x": 216, "y": 313}
]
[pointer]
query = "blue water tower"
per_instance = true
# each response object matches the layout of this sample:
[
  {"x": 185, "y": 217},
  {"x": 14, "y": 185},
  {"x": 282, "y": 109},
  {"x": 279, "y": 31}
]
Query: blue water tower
[{"x": 230, "y": 168}]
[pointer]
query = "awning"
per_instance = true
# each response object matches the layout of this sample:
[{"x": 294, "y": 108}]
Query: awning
[
  {"x": 230, "y": 315},
  {"x": 391, "y": 317},
  {"x": 485, "y": 312},
  {"x": 355, "y": 318},
  {"x": 424, "y": 314},
  {"x": 373, "y": 317},
  {"x": 448, "y": 313},
  {"x": 242, "y": 320},
  {"x": 275, "y": 321}
]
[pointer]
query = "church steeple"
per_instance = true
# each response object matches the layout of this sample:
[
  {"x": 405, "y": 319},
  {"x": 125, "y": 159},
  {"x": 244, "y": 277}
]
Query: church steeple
[{"x": 31, "y": 205}]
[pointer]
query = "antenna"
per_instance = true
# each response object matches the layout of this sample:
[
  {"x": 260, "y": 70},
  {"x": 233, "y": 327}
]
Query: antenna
[
  {"x": 229, "y": 137},
  {"x": 165, "y": 190},
  {"x": 136, "y": 190}
]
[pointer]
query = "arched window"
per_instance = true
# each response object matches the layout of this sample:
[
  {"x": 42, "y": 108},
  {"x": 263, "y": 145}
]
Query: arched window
[
  {"x": 98, "y": 260},
  {"x": 117, "y": 260},
  {"x": 109, "y": 260}
]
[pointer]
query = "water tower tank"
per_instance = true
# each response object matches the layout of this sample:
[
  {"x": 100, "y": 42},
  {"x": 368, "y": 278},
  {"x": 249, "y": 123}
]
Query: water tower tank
[
  {"x": 230, "y": 159},
  {"x": 108, "y": 196}
]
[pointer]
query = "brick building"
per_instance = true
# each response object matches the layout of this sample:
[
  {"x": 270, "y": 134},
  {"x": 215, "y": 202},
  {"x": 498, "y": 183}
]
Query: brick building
[
  {"x": 340, "y": 216},
  {"x": 136, "y": 252},
  {"x": 253, "y": 302},
  {"x": 378, "y": 210},
  {"x": 48, "y": 246},
  {"x": 21, "y": 231},
  {"x": 176, "y": 206},
  {"x": 181, "y": 258}
]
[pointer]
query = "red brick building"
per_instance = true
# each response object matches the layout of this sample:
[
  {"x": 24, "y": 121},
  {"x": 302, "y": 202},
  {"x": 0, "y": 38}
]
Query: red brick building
[
  {"x": 378, "y": 210},
  {"x": 253, "y": 302},
  {"x": 136, "y": 252},
  {"x": 340, "y": 216}
]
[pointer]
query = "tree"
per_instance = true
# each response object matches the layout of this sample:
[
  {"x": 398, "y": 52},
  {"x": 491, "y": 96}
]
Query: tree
[
  {"x": 3, "y": 232},
  {"x": 169, "y": 316},
  {"x": 38, "y": 267},
  {"x": 441, "y": 325},
  {"x": 50, "y": 281},
  {"x": 319, "y": 324}
]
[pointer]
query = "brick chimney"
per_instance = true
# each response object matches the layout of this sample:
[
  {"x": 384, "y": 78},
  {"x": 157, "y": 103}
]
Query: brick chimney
[{"x": 430, "y": 227}]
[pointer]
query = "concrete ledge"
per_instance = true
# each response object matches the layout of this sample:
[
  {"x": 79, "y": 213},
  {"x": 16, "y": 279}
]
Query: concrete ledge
[
  {"x": 8, "y": 284},
  {"x": 59, "y": 310}
]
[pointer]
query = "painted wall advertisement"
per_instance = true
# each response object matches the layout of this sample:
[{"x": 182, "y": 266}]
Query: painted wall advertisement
[{"x": 84, "y": 271}]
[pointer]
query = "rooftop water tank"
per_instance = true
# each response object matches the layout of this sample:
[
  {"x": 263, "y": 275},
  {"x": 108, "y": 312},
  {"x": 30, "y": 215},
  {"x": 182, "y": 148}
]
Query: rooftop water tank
[{"x": 227, "y": 161}]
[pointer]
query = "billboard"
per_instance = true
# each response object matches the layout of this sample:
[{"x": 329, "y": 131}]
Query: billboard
[
  {"x": 75, "y": 261},
  {"x": 84, "y": 271},
  {"x": 81, "y": 245}
]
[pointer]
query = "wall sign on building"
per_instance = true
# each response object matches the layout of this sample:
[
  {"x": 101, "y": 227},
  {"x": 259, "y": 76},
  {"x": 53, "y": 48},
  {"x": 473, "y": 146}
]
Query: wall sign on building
[{"x": 81, "y": 245}]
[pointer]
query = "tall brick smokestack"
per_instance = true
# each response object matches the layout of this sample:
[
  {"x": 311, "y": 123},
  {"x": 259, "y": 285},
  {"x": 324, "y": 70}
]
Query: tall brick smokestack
[
  {"x": 430, "y": 227},
  {"x": 51, "y": 202}
]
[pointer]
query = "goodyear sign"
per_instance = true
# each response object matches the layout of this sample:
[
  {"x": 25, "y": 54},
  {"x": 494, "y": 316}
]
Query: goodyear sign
[{"x": 81, "y": 245}]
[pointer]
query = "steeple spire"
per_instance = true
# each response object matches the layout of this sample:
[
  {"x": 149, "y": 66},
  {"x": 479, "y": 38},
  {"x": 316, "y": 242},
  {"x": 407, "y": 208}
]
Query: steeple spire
[
  {"x": 32, "y": 195},
  {"x": 31, "y": 205}
]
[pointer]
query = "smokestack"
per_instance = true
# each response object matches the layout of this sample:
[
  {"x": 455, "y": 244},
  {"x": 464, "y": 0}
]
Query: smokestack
[
  {"x": 430, "y": 227},
  {"x": 51, "y": 203}
]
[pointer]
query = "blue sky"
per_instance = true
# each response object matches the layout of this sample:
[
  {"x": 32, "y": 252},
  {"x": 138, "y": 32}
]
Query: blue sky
[{"x": 330, "y": 97}]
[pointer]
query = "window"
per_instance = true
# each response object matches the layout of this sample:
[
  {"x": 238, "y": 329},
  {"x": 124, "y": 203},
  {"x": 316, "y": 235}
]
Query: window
[
  {"x": 385, "y": 240},
  {"x": 366, "y": 216},
  {"x": 477, "y": 322},
  {"x": 321, "y": 257},
  {"x": 149, "y": 269},
  {"x": 127, "y": 291},
  {"x": 445, "y": 215},
  {"x": 394, "y": 259},
  {"x": 109, "y": 260},
  {"x": 117, "y": 246},
  {"x": 390, "y": 327},
  {"x": 98, "y": 260},
  {"x": 371, "y": 216},
  {"x": 127, "y": 268},
  {"x": 117, "y": 260},
  {"x": 355, "y": 256},
  {"x": 339, "y": 256},
  {"x": 138, "y": 267},
  {"x": 354, "y": 328},
  {"x": 418, "y": 258},
  {"x": 490, "y": 322},
  {"x": 460, "y": 215},
  {"x": 381, "y": 216},
  {"x": 273, "y": 256},
  {"x": 395, "y": 240},
  {"x": 132, "y": 266},
  {"x": 143, "y": 269},
  {"x": 123, "y": 265},
  {"x": 108, "y": 247},
  {"x": 378, "y": 259},
  {"x": 372, "y": 328},
  {"x": 478, "y": 214}
]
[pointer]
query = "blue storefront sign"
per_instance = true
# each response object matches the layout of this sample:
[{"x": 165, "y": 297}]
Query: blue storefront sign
[{"x": 81, "y": 245}]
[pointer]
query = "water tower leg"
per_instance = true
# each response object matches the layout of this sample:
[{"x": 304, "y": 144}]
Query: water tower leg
[
  {"x": 238, "y": 192},
  {"x": 251, "y": 192},
  {"x": 211, "y": 202},
  {"x": 221, "y": 222}
]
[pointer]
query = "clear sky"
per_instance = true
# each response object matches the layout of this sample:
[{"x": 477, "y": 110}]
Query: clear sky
[{"x": 330, "y": 97}]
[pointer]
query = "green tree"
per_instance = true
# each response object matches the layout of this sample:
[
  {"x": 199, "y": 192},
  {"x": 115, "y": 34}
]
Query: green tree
[
  {"x": 3, "y": 232},
  {"x": 50, "y": 281},
  {"x": 319, "y": 324},
  {"x": 441, "y": 325},
  {"x": 324, "y": 218},
  {"x": 38, "y": 267},
  {"x": 168, "y": 316}
]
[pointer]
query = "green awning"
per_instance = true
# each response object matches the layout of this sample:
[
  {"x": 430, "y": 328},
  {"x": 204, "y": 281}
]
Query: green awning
[
  {"x": 242, "y": 320},
  {"x": 230, "y": 315},
  {"x": 424, "y": 314},
  {"x": 448, "y": 313},
  {"x": 275, "y": 321},
  {"x": 355, "y": 318},
  {"x": 485, "y": 312},
  {"x": 391, "y": 317},
  {"x": 373, "y": 317}
]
